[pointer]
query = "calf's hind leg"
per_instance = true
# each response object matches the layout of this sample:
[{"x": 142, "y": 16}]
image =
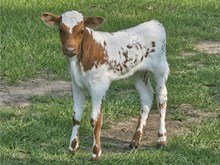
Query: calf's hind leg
[
  {"x": 161, "y": 92},
  {"x": 145, "y": 91}
]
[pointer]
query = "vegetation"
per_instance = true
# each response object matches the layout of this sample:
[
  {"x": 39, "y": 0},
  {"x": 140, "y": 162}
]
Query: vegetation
[{"x": 39, "y": 134}]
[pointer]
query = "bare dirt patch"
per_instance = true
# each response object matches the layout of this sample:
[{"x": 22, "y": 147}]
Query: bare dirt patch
[
  {"x": 121, "y": 133},
  {"x": 210, "y": 47},
  {"x": 118, "y": 137},
  {"x": 20, "y": 93}
]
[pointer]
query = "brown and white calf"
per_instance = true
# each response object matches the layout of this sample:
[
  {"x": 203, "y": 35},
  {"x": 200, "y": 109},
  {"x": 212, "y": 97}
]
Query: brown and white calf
[{"x": 98, "y": 58}]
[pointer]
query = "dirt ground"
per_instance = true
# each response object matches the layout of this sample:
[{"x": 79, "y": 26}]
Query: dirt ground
[
  {"x": 20, "y": 93},
  {"x": 210, "y": 47},
  {"x": 119, "y": 133}
]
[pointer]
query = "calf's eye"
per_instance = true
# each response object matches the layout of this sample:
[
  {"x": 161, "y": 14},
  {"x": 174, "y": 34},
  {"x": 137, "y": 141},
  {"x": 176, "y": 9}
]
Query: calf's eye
[{"x": 81, "y": 32}]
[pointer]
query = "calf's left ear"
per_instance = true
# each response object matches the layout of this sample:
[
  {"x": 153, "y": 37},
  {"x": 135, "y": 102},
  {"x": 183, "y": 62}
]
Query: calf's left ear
[
  {"x": 50, "y": 19},
  {"x": 93, "y": 22}
]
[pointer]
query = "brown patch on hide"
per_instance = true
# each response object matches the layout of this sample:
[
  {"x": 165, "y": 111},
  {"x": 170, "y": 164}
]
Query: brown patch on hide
[
  {"x": 74, "y": 144},
  {"x": 92, "y": 52},
  {"x": 129, "y": 46},
  {"x": 71, "y": 40},
  {"x": 153, "y": 50},
  {"x": 146, "y": 54},
  {"x": 97, "y": 124},
  {"x": 75, "y": 122},
  {"x": 162, "y": 134},
  {"x": 153, "y": 44},
  {"x": 136, "y": 139},
  {"x": 125, "y": 54},
  {"x": 162, "y": 105}
]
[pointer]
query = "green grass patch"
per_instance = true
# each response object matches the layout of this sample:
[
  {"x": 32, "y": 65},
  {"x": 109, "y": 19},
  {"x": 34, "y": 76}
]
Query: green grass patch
[{"x": 39, "y": 134}]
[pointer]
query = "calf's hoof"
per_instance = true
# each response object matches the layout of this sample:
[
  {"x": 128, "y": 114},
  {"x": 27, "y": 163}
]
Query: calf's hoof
[
  {"x": 97, "y": 152},
  {"x": 161, "y": 144},
  {"x": 95, "y": 158},
  {"x": 72, "y": 151},
  {"x": 134, "y": 144}
]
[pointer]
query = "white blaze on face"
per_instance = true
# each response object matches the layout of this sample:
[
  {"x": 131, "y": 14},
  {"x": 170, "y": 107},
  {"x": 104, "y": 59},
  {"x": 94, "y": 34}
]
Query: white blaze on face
[{"x": 71, "y": 19}]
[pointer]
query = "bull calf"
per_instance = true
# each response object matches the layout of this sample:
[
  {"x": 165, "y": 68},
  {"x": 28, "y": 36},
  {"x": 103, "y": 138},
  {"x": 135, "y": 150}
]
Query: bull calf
[{"x": 98, "y": 58}]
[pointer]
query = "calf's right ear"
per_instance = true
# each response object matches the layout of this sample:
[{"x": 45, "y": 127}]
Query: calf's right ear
[{"x": 50, "y": 19}]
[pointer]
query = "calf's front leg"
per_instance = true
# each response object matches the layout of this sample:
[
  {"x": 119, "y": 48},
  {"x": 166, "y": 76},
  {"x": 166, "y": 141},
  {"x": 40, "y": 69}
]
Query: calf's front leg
[
  {"x": 78, "y": 107},
  {"x": 96, "y": 121}
]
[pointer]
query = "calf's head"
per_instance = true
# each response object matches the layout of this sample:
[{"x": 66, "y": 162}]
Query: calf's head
[{"x": 72, "y": 26}]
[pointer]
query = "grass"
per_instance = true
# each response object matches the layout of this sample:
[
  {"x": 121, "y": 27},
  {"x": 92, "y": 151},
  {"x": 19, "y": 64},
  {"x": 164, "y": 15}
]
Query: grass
[{"x": 39, "y": 134}]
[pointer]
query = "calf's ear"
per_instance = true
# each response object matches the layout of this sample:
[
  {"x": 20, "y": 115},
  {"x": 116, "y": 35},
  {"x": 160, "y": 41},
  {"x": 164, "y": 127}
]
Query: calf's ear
[
  {"x": 50, "y": 19},
  {"x": 93, "y": 22}
]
